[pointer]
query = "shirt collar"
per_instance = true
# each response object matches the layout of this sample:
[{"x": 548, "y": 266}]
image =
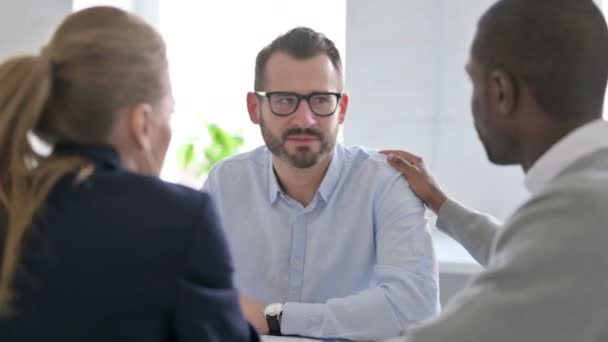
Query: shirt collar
[
  {"x": 575, "y": 145},
  {"x": 328, "y": 185},
  {"x": 102, "y": 155},
  {"x": 330, "y": 180},
  {"x": 274, "y": 189}
]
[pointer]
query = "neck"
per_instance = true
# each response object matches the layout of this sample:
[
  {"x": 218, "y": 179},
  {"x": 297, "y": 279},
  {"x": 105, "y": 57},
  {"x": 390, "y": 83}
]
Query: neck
[
  {"x": 132, "y": 163},
  {"x": 543, "y": 136},
  {"x": 301, "y": 184}
]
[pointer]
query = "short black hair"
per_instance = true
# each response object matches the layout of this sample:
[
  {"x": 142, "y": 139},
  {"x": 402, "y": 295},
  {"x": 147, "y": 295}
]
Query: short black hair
[{"x": 556, "y": 48}]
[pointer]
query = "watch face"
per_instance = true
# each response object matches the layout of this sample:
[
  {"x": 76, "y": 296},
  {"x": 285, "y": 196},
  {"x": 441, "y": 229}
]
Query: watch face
[{"x": 273, "y": 309}]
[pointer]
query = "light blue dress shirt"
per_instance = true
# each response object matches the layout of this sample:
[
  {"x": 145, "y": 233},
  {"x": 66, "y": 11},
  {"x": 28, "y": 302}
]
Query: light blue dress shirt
[{"x": 356, "y": 263}]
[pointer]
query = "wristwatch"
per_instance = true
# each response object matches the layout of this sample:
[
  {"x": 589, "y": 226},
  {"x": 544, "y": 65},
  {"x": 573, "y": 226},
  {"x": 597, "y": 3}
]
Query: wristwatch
[{"x": 273, "y": 314}]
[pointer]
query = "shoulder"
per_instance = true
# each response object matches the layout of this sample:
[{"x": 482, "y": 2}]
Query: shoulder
[
  {"x": 569, "y": 214},
  {"x": 560, "y": 231},
  {"x": 583, "y": 186},
  {"x": 183, "y": 216},
  {"x": 153, "y": 189},
  {"x": 145, "y": 200},
  {"x": 370, "y": 169},
  {"x": 133, "y": 212},
  {"x": 585, "y": 192},
  {"x": 370, "y": 164}
]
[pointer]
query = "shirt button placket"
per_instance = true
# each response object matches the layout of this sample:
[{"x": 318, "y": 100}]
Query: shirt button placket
[{"x": 296, "y": 262}]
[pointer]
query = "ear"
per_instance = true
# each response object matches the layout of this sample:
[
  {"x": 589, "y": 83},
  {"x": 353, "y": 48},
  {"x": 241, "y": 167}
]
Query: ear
[
  {"x": 502, "y": 92},
  {"x": 252, "y": 107},
  {"x": 343, "y": 107},
  {"x": 140, "y": 126}
]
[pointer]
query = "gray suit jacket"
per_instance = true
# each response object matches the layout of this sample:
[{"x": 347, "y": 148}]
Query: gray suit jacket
[{"x": 546, "y": 268}]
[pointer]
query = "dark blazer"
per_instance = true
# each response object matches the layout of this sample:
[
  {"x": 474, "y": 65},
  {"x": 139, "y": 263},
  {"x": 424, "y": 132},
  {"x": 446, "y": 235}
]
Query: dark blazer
[{"x": 123, "y": 257}]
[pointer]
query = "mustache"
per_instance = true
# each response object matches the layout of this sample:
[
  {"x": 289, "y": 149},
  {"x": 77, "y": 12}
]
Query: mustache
[{"x": 303, "y": 131}]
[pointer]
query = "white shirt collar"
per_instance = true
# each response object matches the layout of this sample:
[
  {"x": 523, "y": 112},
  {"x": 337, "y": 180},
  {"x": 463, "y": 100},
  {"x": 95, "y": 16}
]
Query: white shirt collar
[{"x": 577, "y": 144}]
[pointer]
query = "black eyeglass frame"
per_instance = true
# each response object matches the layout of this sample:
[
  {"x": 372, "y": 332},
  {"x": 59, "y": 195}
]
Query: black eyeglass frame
[{"x": 300, "y": 97}]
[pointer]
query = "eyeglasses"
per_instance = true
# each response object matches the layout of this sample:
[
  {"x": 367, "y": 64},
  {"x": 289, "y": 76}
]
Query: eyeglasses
[{"x": 284, "y": 103}]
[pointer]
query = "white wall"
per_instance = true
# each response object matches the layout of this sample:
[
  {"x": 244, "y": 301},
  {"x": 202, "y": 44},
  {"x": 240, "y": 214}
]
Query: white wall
[
  {"x": 405, "y": 74},
  {"x": 27, "y": 24}
]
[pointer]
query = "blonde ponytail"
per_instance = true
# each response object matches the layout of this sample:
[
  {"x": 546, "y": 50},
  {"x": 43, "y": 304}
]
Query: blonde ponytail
[{"x": 25, "y": 177}]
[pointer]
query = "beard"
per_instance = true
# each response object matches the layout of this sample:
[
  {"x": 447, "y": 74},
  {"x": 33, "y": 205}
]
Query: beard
[
  {"x": 304, "y": 156},
  {"x": 500, "y": 149}
]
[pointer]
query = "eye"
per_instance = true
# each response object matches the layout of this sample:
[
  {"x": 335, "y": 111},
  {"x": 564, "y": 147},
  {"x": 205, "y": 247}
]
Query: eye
[
  {"x": 284, "y": 99},
  {"x": 287, "y": 100},
  {"x": 320, "y": 99}
]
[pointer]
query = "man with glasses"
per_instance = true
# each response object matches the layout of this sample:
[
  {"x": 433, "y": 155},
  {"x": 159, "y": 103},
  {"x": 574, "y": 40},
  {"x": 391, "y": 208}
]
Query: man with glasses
[{"x": 328, "y": 241}]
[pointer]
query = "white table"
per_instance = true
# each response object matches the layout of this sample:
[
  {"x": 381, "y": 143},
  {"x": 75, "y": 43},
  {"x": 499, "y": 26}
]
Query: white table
[
  {"x": 302, "y": 339},
  {"x": 284, "y": 339}
]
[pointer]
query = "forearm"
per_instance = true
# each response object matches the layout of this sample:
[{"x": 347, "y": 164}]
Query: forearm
[
  {"x": 374, "y": 314},
  {"x": 475, "y": 231}
]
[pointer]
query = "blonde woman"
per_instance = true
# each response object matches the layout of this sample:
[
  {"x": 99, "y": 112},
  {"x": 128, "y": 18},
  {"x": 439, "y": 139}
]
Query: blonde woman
[{"x": 94, "y": 247}]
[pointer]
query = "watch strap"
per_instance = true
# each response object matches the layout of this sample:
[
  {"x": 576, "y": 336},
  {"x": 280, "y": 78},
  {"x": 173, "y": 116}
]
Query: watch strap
[{"x": 274, "y": 324}]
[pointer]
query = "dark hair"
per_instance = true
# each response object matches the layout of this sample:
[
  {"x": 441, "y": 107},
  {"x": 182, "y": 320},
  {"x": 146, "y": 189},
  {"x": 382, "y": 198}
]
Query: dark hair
[
  {"x": 556, "y": 48},
  {"x": 301, "y": 43}
]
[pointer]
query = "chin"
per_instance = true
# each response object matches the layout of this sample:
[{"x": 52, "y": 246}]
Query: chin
[{"x": 501, "y": 159}]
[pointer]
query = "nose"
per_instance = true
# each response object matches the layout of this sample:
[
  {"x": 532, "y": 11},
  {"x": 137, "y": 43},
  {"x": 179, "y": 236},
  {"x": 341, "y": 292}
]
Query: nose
[{"x": 303, "y": 116}]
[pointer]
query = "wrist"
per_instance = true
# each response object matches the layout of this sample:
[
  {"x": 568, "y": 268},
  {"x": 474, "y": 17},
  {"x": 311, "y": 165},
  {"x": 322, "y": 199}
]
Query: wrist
[
  {"x": 436, "y": 200},
  {"x": 273, "y": 314}
]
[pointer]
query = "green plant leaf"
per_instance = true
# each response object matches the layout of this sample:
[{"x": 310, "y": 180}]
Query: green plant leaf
[
  {"x": 200, "y": 155},
  {"x": 186, "y": 155}
]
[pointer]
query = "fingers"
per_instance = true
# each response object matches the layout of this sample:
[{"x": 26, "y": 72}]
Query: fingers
[
  {"x": 402, "y": 165},
  {"x": 409, "y": 157}
]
